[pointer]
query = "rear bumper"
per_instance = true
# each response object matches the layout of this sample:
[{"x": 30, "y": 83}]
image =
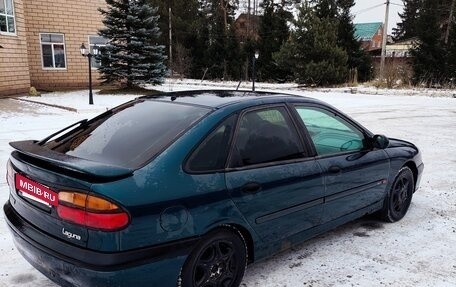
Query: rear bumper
[{"x": 69, "y": 265}]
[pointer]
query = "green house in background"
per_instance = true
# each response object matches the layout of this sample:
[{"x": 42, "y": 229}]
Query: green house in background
[{"x": 370, "y": 35}]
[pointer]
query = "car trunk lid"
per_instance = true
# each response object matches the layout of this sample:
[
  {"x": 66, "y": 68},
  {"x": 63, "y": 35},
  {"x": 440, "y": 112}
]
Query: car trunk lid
[
  {"x": 34, "y": 196},
  {"x": 36, "y": 175}
]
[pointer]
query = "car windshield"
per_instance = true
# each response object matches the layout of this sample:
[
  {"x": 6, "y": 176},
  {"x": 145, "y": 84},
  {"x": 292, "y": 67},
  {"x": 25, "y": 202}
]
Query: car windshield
[{"x": 131, "y": 134}]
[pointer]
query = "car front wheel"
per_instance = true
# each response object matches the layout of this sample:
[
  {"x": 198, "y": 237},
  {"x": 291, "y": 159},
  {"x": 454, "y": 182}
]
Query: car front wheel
[
  {"x": 219, "y": 259},
  {"x": 398, "y": 200}
]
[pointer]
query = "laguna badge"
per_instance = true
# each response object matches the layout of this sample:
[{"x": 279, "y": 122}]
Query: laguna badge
[{"x": 70, "y": 235}]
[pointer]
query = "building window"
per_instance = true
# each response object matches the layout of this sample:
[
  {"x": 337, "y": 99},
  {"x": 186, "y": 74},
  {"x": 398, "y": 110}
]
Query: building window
[
  {"x": 101, "y": 43},
  {"x": 7, "y": 21},
  {"x": 53, "y": 51}
]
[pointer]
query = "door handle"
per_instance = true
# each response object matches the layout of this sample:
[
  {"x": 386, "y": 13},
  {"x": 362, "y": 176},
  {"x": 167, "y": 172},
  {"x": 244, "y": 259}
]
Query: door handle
[
  {"x": 334, "y": 169},
  {"x": 251, "y": 187}
]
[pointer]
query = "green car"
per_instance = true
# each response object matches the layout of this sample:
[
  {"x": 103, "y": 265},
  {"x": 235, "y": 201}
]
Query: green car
[{"x": 187, "y": 188}]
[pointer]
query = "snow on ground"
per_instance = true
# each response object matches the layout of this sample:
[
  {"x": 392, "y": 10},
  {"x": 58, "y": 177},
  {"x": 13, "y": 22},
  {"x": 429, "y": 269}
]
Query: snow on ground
[
  {"x": 417, "y": 251},
  {"x": 176, "y": 85}
]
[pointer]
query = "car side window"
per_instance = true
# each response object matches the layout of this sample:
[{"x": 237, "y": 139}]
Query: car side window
[
  {"x": 329, "y": 133},
  {"x": 266, "y": 135},
  {"x": 212, "y": 153}
]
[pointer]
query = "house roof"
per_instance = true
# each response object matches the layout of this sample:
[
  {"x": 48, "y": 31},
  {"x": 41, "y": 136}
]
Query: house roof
[
  {"x": 245, "y": 17},
  {"x": 366, "y": 31}
]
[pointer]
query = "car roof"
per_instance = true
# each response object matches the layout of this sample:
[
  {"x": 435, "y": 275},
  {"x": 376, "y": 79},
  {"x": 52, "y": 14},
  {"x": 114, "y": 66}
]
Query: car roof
[{"x": 220, "y": 98}]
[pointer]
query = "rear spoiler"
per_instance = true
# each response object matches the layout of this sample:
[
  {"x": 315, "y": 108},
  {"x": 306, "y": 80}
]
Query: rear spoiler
[{"x": 32, "y": 152}]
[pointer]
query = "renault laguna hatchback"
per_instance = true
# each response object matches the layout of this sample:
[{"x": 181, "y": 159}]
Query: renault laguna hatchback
[{"x": 186, "y": 189}]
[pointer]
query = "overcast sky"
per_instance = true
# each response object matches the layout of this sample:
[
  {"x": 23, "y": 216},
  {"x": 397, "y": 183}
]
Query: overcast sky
[{"x": 377, "y": 14}]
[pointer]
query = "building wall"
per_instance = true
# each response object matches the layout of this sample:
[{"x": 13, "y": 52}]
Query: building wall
[
  {"x": 76, "y": 20},
  {"x": 14, "y": 71},
  {"x": 377, "y": 40},
  {"x": 374, "y": 43}
]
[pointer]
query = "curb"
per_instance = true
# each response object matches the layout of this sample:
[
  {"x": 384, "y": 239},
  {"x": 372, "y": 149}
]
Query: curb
[{"x": 46, "y": 104}]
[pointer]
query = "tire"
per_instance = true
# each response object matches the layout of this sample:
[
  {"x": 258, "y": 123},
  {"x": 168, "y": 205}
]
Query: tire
[
  {"x": 398, "y": 199},
  {"x": 219, "y": 259}
]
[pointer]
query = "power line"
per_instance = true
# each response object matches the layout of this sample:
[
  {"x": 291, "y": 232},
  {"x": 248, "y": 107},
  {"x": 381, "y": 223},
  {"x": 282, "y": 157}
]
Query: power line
[
  {"x": 395, "y": 4},
  {"x": 368, "y": 9}
]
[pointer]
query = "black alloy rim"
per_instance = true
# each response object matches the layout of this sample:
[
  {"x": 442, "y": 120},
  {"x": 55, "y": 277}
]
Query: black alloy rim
[
  {"x": 216, "y": 266},
  {"x": 401, "y": 196}
]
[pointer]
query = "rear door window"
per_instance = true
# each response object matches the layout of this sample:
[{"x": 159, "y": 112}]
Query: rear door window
[
  {"x": 212, "y": 153},
  {"x": 266, "y": 136},
  {"x": 132, "y": 134}
]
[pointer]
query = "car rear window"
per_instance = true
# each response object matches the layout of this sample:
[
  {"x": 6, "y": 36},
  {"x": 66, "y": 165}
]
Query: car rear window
[{"x": 131, "y": 134}]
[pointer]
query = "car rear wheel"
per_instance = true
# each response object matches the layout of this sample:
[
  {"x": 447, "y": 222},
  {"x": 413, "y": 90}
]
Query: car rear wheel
[
  {"x": 398, "y": 200},
  {"x": 219, "y": 259}
]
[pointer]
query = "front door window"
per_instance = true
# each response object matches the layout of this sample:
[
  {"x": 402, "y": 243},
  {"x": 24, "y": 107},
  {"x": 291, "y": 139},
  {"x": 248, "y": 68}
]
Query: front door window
[{"x": 329, "y": 133}]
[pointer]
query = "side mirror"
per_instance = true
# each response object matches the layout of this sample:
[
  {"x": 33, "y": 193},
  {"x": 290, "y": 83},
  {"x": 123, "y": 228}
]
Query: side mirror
[{"x": 380, "y": 141}]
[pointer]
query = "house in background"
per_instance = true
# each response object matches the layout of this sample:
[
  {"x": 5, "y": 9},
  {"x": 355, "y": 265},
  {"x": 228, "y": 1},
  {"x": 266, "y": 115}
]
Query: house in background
[
  {"x": 41, "y": 41},
  {"x": 399, "y": 58},
  {"x": 370, "y": 35},
  {"x": 14, "y": 69},
  {"x": 246, "y": 26},
  {"x": 401, "y": 49}
]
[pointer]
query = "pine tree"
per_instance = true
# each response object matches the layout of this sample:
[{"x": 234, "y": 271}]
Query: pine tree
[
  {"x": 429, "y": 63},
  {"x": 357, "y": 57},
  {"x": 184, "y": 18},
  {"x": 339, "y": 13},
  {"x": 132, "y": 56},
  {"x": 325, "y": 8},
  {"x": 451, "y": 54},
  {"x": 312, "y": 51},
  {"x": 273, "y": 33},
  {"x": 216, "y": 53},
  {"x": 407, "y": 28}
]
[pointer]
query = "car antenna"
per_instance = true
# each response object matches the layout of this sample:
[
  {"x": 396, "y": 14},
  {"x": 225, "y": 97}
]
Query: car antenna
[{"x": 237, "y": 88}]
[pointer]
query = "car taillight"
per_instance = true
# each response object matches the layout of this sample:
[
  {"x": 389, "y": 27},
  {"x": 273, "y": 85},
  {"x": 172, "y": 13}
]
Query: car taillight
[{"x": 91, "y": 211}]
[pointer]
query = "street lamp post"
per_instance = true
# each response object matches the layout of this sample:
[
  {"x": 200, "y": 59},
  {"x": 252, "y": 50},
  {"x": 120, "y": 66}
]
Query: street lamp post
[
  {"x": 255, "y": 57},
  {"x": 89, "y": 57}
]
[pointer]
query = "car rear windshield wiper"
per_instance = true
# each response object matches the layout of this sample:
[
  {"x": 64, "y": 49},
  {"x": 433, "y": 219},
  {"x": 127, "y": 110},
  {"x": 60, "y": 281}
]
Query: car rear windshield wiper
[{"x": 45, "y": 140}]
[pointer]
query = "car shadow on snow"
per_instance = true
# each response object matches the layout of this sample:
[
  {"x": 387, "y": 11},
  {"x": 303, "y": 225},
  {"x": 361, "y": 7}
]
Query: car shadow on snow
[{"x": 331, "y": 242}]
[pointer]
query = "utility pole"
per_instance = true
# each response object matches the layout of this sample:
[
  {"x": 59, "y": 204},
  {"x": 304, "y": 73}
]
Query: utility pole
[
  {"x": 385, "y": 36},
  {"x": 170, "y": 43},
  {"x": 450, "y": 21}
]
